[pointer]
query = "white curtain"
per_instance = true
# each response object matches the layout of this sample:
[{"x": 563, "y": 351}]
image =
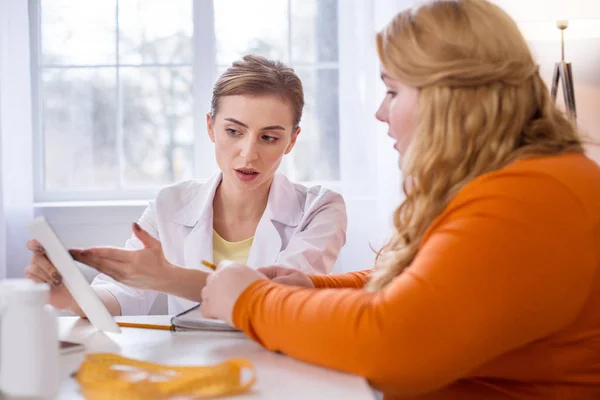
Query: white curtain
[
  {"x": 16, "y": 190},
  {"x": 371, "y": 180}
]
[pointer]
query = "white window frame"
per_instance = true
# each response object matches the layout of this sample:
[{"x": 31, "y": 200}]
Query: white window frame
[{"x": 204, "y": 69}]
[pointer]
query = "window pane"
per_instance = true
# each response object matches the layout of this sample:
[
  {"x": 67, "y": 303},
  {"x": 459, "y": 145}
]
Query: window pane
[
  {"x": 157, "y": 124},
  {"x": 76, "y": 32},
  {"x": 257, "y": 27},
  {"x": 155, "y": 31},
  {"x": 79, "y": 128},
  {"x": 314, "y": 31},
  {"x": 316, "y": 154},
  {"x": 107, "y": 136}
]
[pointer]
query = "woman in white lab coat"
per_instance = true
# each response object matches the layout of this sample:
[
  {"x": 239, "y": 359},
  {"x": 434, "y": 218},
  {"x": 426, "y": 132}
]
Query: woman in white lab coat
[{"x": 249, "y": 212}]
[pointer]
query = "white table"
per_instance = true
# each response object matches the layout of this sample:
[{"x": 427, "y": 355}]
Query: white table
[{"x": 278, "y": 376}]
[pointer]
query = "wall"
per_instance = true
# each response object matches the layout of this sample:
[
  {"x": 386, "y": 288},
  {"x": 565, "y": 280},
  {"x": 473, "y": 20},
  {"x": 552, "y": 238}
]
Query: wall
[{"x": 584, "y": 54}]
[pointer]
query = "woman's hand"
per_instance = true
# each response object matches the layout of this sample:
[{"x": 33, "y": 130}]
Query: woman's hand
[
  {"x": 142, "y": 269},
  {"x": 224, "y": 287},
  {"x": 41, "y": 270},
  {"x": 287, "y": 276}
]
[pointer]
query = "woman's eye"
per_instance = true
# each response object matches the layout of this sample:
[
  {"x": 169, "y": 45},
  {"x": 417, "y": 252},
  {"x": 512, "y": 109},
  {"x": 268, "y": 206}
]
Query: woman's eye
[
  {"x": 270, "y": 139},
  {"x": 391, "y": 93},
  {"x": 231, "y": 132}
]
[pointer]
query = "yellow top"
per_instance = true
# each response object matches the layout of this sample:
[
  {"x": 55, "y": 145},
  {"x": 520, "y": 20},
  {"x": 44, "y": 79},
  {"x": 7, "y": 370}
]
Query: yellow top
[{"x": 234, "y": 251}]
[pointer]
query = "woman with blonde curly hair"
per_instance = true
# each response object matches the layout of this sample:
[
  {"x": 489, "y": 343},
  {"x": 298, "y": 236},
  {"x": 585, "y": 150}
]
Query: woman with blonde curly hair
[{"x": 490, "y": 287}]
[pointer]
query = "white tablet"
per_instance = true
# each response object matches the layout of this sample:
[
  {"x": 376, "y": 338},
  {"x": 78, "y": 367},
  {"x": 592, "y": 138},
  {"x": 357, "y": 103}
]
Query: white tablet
[{"x": 73, "y": 278}]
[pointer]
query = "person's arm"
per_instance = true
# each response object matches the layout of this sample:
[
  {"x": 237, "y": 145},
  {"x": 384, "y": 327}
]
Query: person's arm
[
  {"x": 315, "y": 249},
  {"x": 348, "y": 280},
  {"x": 140, "y": 273},
  {"x": 183, "y": 282},
  {"x": 130, "y": 301},
  {"x": 508, "y": 264},
  {"x": 110, "y": 302}
]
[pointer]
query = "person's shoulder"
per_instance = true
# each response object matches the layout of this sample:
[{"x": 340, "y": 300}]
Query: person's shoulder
[
  {"x": 311, "y": 196},
  {"x": 550, "y": 182},
  {"x": 180, "y": 193},
  {"x": 184, "y": 201}
]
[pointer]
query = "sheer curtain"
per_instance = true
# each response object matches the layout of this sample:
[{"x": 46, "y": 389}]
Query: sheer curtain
[
  {"x": 16, "y": 192},
  {"x": 371, "y": 180}
]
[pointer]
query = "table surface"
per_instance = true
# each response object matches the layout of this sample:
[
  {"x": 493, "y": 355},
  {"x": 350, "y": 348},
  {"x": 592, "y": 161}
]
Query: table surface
[{"x": 278, "y": 376}]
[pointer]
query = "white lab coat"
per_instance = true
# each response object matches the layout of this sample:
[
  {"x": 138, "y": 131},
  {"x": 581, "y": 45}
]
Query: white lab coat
[{"x": 302, "y": 227}]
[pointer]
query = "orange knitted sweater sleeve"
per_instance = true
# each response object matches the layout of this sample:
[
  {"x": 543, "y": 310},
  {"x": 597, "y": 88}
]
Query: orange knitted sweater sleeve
[
  {"x": 349, "y": 280},
  {"x": 508, "y": 262}
]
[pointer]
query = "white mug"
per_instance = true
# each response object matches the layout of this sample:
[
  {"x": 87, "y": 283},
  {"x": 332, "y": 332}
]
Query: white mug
[{"x": 28, "y": 340}]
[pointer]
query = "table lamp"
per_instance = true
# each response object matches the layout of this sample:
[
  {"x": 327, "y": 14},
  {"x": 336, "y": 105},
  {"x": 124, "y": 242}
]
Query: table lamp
[
  {"x": 538, "y": 20},
  {"x": 563, "y": 70}
]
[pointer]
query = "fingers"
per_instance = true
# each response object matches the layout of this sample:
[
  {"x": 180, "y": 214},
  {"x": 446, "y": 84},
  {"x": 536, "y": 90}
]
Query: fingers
[
  {"x": 287, "y": 280},
  {"x": 41, "y": 267},
  {"x": 31, "y": 276},
  {"x": 110, "y": 267},
  {"x": 275, "y": 271},
  {"x": 205, "y": 306},
  {"x": 34, "y": 272},
  {"x": 147, "y": 239},
  {"x": 35, "y": 246},
  {"x": 48, "y": 268},
  {"x": 270, "y": 272},
  {"x": 225, "y": 264},
  {"x": 102, "y": 253},
  {"x": 209, "y": 278},
  {"x": 204, "y": 309}
]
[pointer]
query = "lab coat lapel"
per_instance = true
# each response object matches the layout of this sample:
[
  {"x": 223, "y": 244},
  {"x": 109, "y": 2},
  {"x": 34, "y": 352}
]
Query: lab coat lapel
[
  {"x": 197, "y": 217},
  {"x": 267, "y": 243},
  {"x": 283, "y": 209}
]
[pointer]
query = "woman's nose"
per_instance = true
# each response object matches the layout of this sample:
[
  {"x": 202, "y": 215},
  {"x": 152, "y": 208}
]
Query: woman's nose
[
  {"x": 380, "y": 114},
  {"x": 249, "y": 149}
]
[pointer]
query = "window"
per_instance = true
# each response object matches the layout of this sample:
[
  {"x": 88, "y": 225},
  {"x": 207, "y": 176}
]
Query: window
[{"x": 121, "y": 88}]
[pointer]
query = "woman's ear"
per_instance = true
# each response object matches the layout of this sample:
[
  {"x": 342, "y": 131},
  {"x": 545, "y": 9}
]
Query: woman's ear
[
  {"x": 210, "y": 128},
  {"x": 293, "y": 141}
]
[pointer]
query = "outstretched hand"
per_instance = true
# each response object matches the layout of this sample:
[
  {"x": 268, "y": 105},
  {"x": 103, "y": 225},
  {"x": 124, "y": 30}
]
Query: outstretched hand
[{"x": 142, "y": 269}]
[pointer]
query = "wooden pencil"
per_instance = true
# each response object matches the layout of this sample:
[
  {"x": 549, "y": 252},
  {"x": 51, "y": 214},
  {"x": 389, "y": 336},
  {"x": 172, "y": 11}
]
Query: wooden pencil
[
  {"x": 145, "y": 326},
  {"x": 209, "y": 265}
]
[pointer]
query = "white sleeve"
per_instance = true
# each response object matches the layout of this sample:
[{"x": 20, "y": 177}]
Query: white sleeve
[
  {"x": 315, "y": 249},
  {"x": 132, "y": 301}
]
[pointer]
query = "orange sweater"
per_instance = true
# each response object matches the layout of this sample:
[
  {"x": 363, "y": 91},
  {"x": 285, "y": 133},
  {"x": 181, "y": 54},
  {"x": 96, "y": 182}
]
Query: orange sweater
[{"x": 501, "y": 302}]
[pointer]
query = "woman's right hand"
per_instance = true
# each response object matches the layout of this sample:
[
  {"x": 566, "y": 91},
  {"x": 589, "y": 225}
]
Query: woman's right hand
[
  {"x": 41, "y": 270},
  {"x": 287, "y": 276}
]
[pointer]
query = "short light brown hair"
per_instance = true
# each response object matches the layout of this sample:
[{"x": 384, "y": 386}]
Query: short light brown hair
[{"x": 258, "y": 76}]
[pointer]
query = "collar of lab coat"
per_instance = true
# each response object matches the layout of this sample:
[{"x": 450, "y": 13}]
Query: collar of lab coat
[{"x": 282, "y": 205}]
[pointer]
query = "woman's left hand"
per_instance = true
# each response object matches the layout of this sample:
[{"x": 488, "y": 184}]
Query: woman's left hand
[
  {"x": 142, "y": 269},
  {"x": 224, "y": 287}
]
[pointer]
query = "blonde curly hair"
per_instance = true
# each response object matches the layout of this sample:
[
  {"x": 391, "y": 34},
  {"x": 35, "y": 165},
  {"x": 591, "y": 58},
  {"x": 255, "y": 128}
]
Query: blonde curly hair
[{"x": 482, "y": 105}]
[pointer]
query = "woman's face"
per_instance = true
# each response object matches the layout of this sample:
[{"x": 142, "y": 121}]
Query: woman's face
[
  {"x": 399, "y": 110},
  {"x": 251, "y": 135}
]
